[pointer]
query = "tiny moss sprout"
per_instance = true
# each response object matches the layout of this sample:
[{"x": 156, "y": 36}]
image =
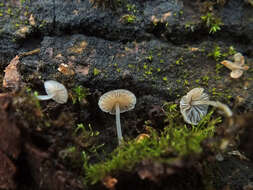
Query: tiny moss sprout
[
  {"x": 96, "y": 71},
  {"x": 128, "y": 18},
  {"x": 179, "y": 61},
  {"x": 212, "y": 22},
  {"x": 216, "y": 53},
  {"x": 79, "y": 94},
  {"x": 86, "y": 137},
  {"x": 131, "y": 8}
]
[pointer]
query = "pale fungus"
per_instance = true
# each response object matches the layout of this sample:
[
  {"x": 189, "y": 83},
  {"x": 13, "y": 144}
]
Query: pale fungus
[
  {"x": 55, "y": 91},
  {"x": 237, "y": 67},
  {"x": 194, "y": 105},
  {"x": 116, "y": 102}
]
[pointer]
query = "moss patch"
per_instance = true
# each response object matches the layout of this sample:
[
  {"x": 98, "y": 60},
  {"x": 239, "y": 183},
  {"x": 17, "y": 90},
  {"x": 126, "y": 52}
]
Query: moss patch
[{"x": 174, "y": 141}]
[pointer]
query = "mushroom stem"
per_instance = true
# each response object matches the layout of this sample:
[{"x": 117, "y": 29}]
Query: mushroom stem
[
  {"x": 119, "y": 133},
  {"x": 44, "y": 97},
  {"x": 217, "y": 104}
]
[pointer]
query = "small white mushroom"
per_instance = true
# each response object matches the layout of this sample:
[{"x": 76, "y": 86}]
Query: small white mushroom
[
  {"x": 194, "y": 106},
  {"x": 55, "y": 91},
  {"x": 116, "y": 102},
  {"x": 237, "y": 67}
]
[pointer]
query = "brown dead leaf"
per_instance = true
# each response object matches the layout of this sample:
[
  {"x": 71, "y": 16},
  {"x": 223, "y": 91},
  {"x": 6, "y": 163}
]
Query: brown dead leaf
[
  {"x": 78, "y": 48},
  {"x": 33, "y": 52},
  {"x": 165, "y": 16},
  {"x": 141, "y": 137},
  {"x": 66, "y": 69},
  {"x": 110, "y": 182},
  {"x": 12, "y": 77},
  {"x": 84, "y": 70},
  {"x": 193, "y": 49}
]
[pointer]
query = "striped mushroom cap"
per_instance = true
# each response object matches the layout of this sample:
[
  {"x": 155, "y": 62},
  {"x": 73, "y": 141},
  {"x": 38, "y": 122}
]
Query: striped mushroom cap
[
  {"x": 57, "y": 90},
  {"x": 193, "y": 113},
  {"x": 124, "y": 98}
]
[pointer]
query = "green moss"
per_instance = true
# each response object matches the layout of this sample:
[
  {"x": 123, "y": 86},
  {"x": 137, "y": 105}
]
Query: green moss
[
  {"x": 186, "y": 82},
  {"x": 197, "y": 81},
  {"x": 85, "y": 139},
  {"x": 190, "y": 26},
  {"x": 218, "y": 67},
  {"x": 179, "y": 61},
  {"x": 204, "y": 80},
  {"x": 221, "y": 94},
  {"x": 219, "y": 54},
  {"x": 149, "y": 58},
  {"x": 79, "y": 93},
  {"x": 130, "y": 66},
  {"x": 165, "y": 79},
  {"x": 175, "y": 141},
  {"x": 216, "y": 53},
  {"x": 9, "y": 11},
  {"x": 96, "y": 71},
  {"x": 128, "y": 18},
  {"x": 131, "y": 8},
  {"x": 212, "y": 22}
]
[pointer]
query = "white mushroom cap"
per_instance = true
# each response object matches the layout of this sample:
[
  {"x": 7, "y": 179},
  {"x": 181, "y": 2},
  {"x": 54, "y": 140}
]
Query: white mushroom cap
[
  {"x": 239, "y": 59},
  {"x": 193, "y": 113},
  {"x": 57, "y": 90},
  {"x": 124, "y": 98}
]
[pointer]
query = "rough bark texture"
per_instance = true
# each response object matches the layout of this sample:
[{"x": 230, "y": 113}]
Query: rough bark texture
[{"x": 158, "y": 49}]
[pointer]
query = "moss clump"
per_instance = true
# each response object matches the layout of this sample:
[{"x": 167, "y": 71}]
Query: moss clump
[
  {"x": 79, "y": 93},
  {"x": 218, "y": 54},
  {"x": 128, "y": 18},
  {"x": 175, "y": 141},
  {"x": 96, "y": 71},
  {"x": 212, "y": 22}
]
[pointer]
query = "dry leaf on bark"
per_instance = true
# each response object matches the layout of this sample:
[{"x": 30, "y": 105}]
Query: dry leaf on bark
[{"x": 12, "y": 77}]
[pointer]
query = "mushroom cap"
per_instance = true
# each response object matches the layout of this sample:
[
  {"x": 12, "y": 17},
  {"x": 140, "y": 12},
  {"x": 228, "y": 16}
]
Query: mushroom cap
[
  {"x": 239, "y": 59},
  {"x": 192, "y": 114},
  {"x": 57, "y": 90},
  {"x": 236, "y": 73},
  {"x": 124, "y": 98}
]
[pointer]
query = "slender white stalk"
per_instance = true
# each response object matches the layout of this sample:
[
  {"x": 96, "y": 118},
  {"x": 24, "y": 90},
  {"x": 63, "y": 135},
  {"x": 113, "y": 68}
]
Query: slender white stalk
[
  {"x": 119, "y": 133},
  {"x": 217, "y": 104},
  {"x": 44, "y": 97}
]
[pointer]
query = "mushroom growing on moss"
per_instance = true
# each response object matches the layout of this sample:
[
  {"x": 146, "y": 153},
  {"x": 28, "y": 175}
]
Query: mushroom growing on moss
[
  {"x": 194, "y": 105},
  {"x": 237, "y": 67},
  {"x": 116, "y": 102},
  {"x": 55, "y": 91}
]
